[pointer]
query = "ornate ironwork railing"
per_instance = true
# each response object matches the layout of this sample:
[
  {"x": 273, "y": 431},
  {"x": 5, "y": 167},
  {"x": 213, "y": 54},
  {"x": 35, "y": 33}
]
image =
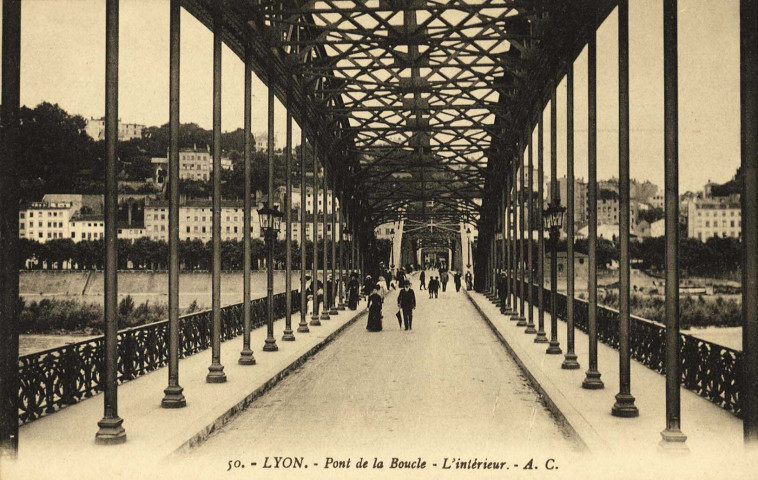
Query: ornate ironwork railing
[
  {"x": 57, "y": 377},
  {"x": 708, "y": 369}
]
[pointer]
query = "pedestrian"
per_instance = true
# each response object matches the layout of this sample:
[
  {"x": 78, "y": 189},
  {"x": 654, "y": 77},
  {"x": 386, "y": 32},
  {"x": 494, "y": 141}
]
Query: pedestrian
[
  {"x": 434, "y": 287},
  {"x": 353, "y": 293},
  {"x": 457, "y": 280},
  {"x": 444, "y": 279},
  {"x": 422, "y": 279},
  {"x": 469, "y": 281},
  {"x": 406, "y": 301},
  {"x": 375, "y": 311}
]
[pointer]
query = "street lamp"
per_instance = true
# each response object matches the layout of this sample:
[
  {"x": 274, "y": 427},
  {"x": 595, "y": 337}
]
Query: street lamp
[
  {"x": 468, "y": 237},
  {"x": 392, "y": 251},
  {"x": 553, "y": 220},
  {"x": 270, "y": 220}
]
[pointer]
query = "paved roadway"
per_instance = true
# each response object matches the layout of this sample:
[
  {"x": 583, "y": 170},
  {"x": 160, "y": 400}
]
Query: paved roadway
[{"x": 445, "y": 389}]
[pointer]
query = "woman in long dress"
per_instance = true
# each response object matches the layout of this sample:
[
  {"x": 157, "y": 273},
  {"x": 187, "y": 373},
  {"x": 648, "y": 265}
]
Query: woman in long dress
[
  {"x": 375, "y": 311},
  {"x": 353, "y": 288}
]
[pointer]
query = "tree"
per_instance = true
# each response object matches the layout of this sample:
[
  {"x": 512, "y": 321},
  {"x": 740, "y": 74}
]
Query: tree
[{"x": 57, "y": 154}]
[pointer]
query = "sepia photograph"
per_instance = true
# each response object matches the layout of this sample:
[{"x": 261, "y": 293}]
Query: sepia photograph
[{"x": 378, "y": 239}]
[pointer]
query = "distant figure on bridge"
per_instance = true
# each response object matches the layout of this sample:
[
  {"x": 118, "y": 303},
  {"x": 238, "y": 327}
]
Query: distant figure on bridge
[
  {"x": 368, "y": 285},
  {"x": 329, "y": 292},
  {"x": 444, "y": 278},
  {"x": 422, "y": 279},
  {"x": 353, "y": 293},
  {"x": 406, "y": 301},
  {"x": 375, "y": 311},
  {"x": 457, "y": 280},
  {"x": 469, "y": 281},
  {"x": 434, "y": 287}
]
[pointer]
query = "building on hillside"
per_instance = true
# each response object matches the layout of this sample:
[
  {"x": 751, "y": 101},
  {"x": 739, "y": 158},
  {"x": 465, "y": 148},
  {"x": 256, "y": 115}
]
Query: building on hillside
[
  {"x": 261, "y": 142},
  {"x": 126, "y": 131},
  {"x": 658, "y": 228},
  {"x": 658, "y": 201},
  {"x": 87, "y": 227},
  {"x": 43, "y": 221},
  {"x": 581, "y": 262},
  {"x": 194, "y": 164},
  {"x": 714, "y": 217},
  {"x": 580, "y": 199},
  {"x": 281, "y": 194}
]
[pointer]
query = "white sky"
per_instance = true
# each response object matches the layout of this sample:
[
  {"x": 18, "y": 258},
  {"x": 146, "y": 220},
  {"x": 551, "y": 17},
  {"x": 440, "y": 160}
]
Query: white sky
[{"x": 63, "y": 49}]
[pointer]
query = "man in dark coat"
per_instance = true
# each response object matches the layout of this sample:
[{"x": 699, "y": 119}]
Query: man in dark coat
[
  {"x": 457, "y": 280},
  {"x": 422, "y": 279},
  {"x": 406, "y": 301}
]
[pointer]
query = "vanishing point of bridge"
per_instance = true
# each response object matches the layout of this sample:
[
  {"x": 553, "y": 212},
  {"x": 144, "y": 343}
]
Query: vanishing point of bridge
[{"x": 416, "y": 110}]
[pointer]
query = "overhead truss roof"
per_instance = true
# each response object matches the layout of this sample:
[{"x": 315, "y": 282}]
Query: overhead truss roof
[{"x": 418, "y": 105}]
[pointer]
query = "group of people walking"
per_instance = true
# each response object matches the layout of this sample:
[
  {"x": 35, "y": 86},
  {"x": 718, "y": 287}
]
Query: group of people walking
[{"x": 406, "y": 303}]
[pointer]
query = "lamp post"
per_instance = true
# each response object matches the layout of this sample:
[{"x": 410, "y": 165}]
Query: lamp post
[
  {"x": 270, "y": 219},
  {"x": 392, "y": 251},
  {"x": 468, "y": 238},
  {"x": 553, "y": 219}
]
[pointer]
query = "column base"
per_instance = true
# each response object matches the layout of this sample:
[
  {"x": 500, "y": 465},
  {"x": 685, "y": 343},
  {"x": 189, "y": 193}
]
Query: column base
[
  {"x": 624, "y": 406},
  {"x": 521, "y": 321},
  {"x": 515, "y": 317},
  {"x": 288, "y": 336},
  {"x": 592, "y": 381},
  {"x": 303, "y": 328},
  {"x": 673, "y": 442},
  {"x": 541, "y": 338},
  {"x": 270, "y": 345},
  {"x": 531, "y": 329},
  {"x": 325, "y": 316},
  {"x": 554, "y": 348},
  {"x": 173, "y": 397},
  {"x": 333, "y": 311},
  {"x": 246, "y": 357},
  {"x": 570, "y": 362},
  {"x": 216, "y": 374},
  {"x": 342, "y": 306},
  {"x": 110, "y": 432},
  {"x": 315, "y": 321}
]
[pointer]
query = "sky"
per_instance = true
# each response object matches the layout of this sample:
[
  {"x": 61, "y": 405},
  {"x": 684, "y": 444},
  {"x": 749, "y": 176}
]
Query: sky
[{"x": 63, "y": 52}]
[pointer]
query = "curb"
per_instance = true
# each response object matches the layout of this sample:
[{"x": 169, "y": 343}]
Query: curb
[
  {"x": 201, "y": 436},
  {"x": 571, "y": 419}
]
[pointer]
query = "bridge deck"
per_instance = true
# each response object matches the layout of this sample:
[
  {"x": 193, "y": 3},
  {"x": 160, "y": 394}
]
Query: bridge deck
[{"x": 446, "y": 388}]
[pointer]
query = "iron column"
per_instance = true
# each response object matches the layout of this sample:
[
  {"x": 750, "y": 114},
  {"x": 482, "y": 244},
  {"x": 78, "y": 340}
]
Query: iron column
[
  {"x": 314, "y": 277},
  {"x": 530, "y": 327},
  {"x": 270, "y": 342},
  {"x": 522, "y": 232},
  {"x": 592, "y": 378},
  {"x": 342, "y": 305},
  {"x": 216, "y": 370},
  {"x": 624, "y": 406},
  {"x": 325, "y": 270},
  {"x": 173, "y": 396},
  {"x": 288, "y": 336},
  {"x": 303, "y": 326},
  {"x": 749, "y": 117},
  {"x": 9, "y": 205},
  {"x": 570, "y": 359},
  {"x": 672, "y": 437},
  {"x": 110, "y": 427},
  {"x": 541, "y": 336},
  {"x": 555, "y": 347},
  {"x": 333, "y": 288},
  {"x": 246, "y": 355}
]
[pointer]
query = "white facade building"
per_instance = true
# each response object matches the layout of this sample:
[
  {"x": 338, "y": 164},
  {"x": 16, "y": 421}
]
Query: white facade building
[
  {"x": 712, "y": 217},
  {"x": 126, "y": 131},
  {"x": 194, "y": 164},
  {"x": 43, "y": 221}
]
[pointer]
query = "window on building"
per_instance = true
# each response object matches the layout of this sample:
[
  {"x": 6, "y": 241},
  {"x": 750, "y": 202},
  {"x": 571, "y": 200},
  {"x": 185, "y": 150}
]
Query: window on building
[
  {"x": 40, "y": 234},
  {"x": 707, "y": 223},
  {"x": 31, "y": 214}
]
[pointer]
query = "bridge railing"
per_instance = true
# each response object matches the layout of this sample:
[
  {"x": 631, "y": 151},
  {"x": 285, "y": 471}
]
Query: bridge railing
[
  {"x": 57, "y": 377},
  {"x": 708, "y": 369}
]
